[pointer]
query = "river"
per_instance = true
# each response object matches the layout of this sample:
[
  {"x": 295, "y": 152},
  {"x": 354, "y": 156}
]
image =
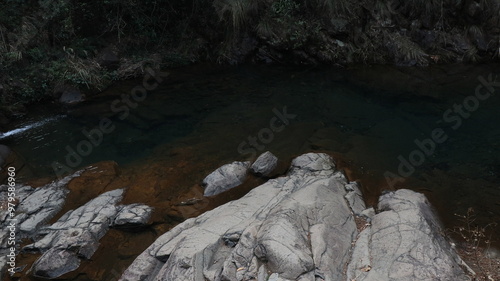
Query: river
[{"x": 421, "y": 128}]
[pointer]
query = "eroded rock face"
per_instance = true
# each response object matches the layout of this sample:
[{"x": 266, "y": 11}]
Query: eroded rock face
[
  {"x": 404, "y": 242},
  {"x": 225, "y": 178},
  {"x": 299, "y": 226}
]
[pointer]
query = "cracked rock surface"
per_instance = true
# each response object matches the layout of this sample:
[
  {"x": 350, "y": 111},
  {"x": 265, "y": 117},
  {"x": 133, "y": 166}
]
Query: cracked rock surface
[
  {"x": 301, "y": 227},
  {"x": 298, "y": 226},
  {"x": 34, "y": 207},
  {"x": 75, "y": 235},
  {"x": 404, "y": 242}
]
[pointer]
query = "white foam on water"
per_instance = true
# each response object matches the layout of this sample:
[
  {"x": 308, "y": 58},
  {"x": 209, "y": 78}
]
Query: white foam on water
[{"x": 29, "y": 126}]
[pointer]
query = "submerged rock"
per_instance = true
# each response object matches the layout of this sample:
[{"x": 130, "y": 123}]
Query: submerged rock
[
  {"x": 265, "y": 164},
  {"x": 225, "y": 178}
]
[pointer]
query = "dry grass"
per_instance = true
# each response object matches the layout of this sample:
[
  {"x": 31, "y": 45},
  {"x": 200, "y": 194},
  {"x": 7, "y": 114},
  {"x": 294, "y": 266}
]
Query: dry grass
[
  {"x": 237, "y": 12},
  {"x": 86, "y": 72},
  {"x": 486, "y": 268},
  {"x": 474, "y": 246}
]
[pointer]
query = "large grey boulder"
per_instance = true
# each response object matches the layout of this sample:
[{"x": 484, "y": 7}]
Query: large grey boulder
[
  {"x": 225, "y": 178},
  {"x": 404, "y": 242},
  {"x": 298, "y": 227},
  {"x": 265, "y": 164},
  {"x": 301, "y": 227},
  {"x": 312, "y": 230}
]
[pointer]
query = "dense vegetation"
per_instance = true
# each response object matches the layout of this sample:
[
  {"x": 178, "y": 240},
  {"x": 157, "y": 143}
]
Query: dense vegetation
[{"x": 48, "y": 44}]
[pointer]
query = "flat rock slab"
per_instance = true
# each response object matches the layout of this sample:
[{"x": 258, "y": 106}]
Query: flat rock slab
[
  {"x": 225, "y": 178},
  {"x": 404, "y": 242},
  {"x": 299, "y": 226}
]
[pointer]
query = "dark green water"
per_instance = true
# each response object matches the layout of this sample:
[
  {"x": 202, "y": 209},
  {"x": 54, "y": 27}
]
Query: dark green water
[{"x": 371, "y": 116}]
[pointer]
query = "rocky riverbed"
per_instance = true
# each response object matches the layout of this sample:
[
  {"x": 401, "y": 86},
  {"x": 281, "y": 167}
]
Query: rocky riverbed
[{"x": 309, "y": 224}]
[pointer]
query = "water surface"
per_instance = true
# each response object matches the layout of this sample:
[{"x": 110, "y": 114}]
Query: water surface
[{"x": 369, "y": 117}]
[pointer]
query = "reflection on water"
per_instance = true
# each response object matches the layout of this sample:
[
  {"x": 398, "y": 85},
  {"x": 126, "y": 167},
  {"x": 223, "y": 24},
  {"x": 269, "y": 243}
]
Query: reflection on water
[
  {"x": 30, "y": 129},
  {"x": 367, "y": 116}
]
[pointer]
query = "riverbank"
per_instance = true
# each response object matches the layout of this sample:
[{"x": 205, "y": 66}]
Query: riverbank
[{"x": 67, "y": 52}]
